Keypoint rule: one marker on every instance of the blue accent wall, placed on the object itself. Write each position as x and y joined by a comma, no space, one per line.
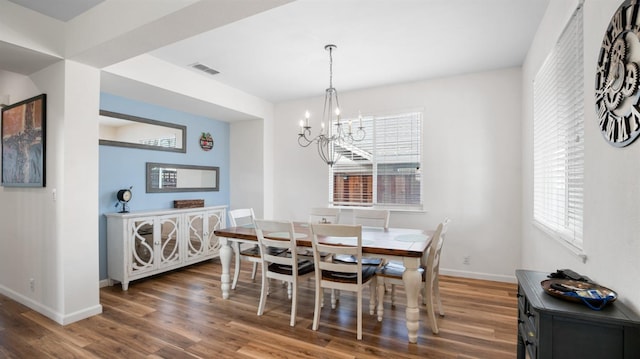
122,167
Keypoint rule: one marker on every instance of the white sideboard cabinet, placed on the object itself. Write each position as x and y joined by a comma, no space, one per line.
140,244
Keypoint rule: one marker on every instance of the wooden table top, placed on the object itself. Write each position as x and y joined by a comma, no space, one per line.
402,242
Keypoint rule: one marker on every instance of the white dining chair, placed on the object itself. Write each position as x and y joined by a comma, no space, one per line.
288,268
237,218
347,240
378,218
371,218
324,215
391,274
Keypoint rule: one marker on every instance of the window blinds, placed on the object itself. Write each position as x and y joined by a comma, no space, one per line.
558,143
383,170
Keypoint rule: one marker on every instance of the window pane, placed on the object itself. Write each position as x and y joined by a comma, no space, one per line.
388,159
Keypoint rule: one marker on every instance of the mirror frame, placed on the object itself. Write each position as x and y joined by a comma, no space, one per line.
151,165
148,121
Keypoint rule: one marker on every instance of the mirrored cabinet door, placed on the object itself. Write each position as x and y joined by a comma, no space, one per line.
169,249
141,255
215,220
195,240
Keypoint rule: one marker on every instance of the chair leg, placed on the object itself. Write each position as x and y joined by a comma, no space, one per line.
436,293
333,299
290,290
372,296
381,290
236,272
255,270
316,310
393,296
431,313
359,330
294,301
425,292
263,294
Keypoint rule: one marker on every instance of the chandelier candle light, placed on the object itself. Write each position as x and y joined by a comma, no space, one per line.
339,137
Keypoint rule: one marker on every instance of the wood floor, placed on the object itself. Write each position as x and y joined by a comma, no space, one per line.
181,314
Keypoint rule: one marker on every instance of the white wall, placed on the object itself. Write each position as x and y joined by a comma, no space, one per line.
246,166
55,242
612,190
17,87
471,165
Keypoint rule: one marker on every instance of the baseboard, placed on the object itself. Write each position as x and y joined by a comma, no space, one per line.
478,275
82,314
50,312
38,307
105,283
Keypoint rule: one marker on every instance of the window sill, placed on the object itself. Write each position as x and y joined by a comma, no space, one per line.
392,209
576,251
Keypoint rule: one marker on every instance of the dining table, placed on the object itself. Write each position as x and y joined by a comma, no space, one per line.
405,245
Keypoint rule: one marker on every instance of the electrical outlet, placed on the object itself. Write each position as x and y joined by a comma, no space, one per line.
466,260
32,284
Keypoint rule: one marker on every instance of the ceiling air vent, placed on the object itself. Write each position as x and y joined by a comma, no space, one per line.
205,68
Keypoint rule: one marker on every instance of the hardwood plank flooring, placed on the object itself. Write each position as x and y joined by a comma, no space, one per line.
181,314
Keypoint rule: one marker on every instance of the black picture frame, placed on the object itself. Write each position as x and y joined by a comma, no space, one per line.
141,124
23,134
168,177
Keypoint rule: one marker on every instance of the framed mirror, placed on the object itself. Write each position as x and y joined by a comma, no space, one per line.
117,129
165,177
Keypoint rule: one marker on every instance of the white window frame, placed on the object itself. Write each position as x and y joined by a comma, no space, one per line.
558,139
374,150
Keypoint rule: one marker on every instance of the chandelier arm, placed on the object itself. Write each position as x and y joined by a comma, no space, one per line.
303,141
361,134
321,150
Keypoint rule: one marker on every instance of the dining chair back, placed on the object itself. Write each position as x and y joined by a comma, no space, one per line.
371,217
336,239
284,266
324,215
244,217
433,272
391,273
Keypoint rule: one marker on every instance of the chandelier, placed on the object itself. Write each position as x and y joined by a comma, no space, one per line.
336,137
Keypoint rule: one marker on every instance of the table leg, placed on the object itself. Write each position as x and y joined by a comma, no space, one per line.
225,260
412,281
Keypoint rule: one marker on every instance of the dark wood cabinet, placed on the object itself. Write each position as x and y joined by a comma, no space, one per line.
552,328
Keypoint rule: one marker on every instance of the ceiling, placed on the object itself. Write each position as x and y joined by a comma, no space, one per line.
279,55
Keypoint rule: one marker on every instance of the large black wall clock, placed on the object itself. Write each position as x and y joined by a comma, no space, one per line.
617,77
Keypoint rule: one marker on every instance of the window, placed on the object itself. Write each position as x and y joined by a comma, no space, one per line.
162,141
384,169
558,137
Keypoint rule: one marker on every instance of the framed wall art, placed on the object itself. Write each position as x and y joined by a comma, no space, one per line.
23,143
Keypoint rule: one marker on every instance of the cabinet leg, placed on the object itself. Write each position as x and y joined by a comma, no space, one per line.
125,286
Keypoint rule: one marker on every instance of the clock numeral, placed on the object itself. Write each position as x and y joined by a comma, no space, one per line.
611,128
634,119
606,46
602,110
623,129
618,23
634,15
603,123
